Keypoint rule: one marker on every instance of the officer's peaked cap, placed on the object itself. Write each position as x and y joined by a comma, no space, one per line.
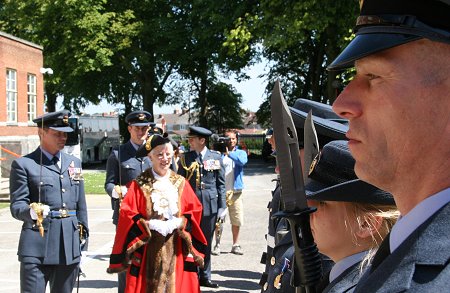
197,131
55,120
332,178
152,142
269,133
138,118
383,24
329,125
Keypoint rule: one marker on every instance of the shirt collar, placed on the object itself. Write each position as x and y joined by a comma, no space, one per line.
406,224
50,156
203,152
345,263
159,177
135,145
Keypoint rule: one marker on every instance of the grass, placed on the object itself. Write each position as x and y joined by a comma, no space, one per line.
4,205
94,183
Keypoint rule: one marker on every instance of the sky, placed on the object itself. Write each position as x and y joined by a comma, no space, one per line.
252,91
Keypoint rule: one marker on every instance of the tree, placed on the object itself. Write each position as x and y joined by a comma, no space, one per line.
224,107
212,24
301,38
78,36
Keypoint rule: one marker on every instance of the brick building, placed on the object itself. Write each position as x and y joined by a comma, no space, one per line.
21,97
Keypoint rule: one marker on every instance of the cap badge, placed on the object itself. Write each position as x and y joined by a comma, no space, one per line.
65,119
141,116
313,164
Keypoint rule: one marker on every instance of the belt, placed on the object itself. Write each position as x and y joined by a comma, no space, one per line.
62,213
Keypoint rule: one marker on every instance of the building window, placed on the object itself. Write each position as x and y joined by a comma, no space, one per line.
11,95
31,92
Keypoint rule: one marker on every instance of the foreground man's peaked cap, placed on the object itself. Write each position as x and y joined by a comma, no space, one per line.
383,24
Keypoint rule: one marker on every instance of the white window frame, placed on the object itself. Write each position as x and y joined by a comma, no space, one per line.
11,95
32,95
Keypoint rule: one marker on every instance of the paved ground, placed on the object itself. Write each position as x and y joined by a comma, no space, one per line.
233,273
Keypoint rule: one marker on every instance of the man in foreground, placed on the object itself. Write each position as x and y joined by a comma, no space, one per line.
123,166
47,194
398,107
204,170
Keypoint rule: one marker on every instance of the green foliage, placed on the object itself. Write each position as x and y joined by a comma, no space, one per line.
301,38
224,107
94,182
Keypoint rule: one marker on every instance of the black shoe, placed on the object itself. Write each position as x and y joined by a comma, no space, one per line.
208,283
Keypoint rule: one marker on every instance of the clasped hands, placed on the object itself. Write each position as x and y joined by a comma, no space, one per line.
165,227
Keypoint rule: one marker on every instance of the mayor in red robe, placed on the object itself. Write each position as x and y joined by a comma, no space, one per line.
158,239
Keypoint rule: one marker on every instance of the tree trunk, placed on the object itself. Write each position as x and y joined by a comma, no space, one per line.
202,100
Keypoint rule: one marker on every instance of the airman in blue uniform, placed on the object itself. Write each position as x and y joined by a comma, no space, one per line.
204,170
123,166
278,256
47,194
401,53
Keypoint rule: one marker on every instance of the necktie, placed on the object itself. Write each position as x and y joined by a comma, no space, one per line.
382,252
200,159
55,161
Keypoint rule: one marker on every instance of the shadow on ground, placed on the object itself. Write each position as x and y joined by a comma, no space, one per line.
239,281
98,284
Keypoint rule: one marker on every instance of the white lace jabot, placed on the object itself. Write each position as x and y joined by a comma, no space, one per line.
164,196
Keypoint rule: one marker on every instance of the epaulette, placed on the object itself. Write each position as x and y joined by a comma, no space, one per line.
217,152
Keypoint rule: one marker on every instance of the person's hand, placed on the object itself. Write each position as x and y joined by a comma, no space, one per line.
117,189
222,213
45,211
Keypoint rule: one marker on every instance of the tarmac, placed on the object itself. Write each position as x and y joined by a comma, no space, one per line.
233,273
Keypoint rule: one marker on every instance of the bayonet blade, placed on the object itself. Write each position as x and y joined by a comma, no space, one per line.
292,188
311,145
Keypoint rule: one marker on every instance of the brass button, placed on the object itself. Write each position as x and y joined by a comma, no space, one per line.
272,260
61,176
265,286
63,190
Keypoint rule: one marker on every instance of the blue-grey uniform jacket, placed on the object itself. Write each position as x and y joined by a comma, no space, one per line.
130,168
61,242
420,264
211,190
346,281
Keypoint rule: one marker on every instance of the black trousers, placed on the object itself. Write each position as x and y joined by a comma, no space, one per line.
34,277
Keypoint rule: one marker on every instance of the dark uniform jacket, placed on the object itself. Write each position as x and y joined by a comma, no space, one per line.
130,168
61,242
280,264
211,188
420,264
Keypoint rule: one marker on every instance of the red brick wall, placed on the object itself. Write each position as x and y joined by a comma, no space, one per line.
25,58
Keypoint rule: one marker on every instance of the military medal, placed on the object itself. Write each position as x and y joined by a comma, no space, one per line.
211,165
75,173
277,282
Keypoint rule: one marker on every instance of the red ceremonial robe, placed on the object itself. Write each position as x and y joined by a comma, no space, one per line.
157,263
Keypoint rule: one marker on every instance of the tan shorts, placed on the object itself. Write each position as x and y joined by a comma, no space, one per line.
235,208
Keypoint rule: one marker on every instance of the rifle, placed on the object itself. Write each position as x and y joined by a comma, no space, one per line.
307,267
